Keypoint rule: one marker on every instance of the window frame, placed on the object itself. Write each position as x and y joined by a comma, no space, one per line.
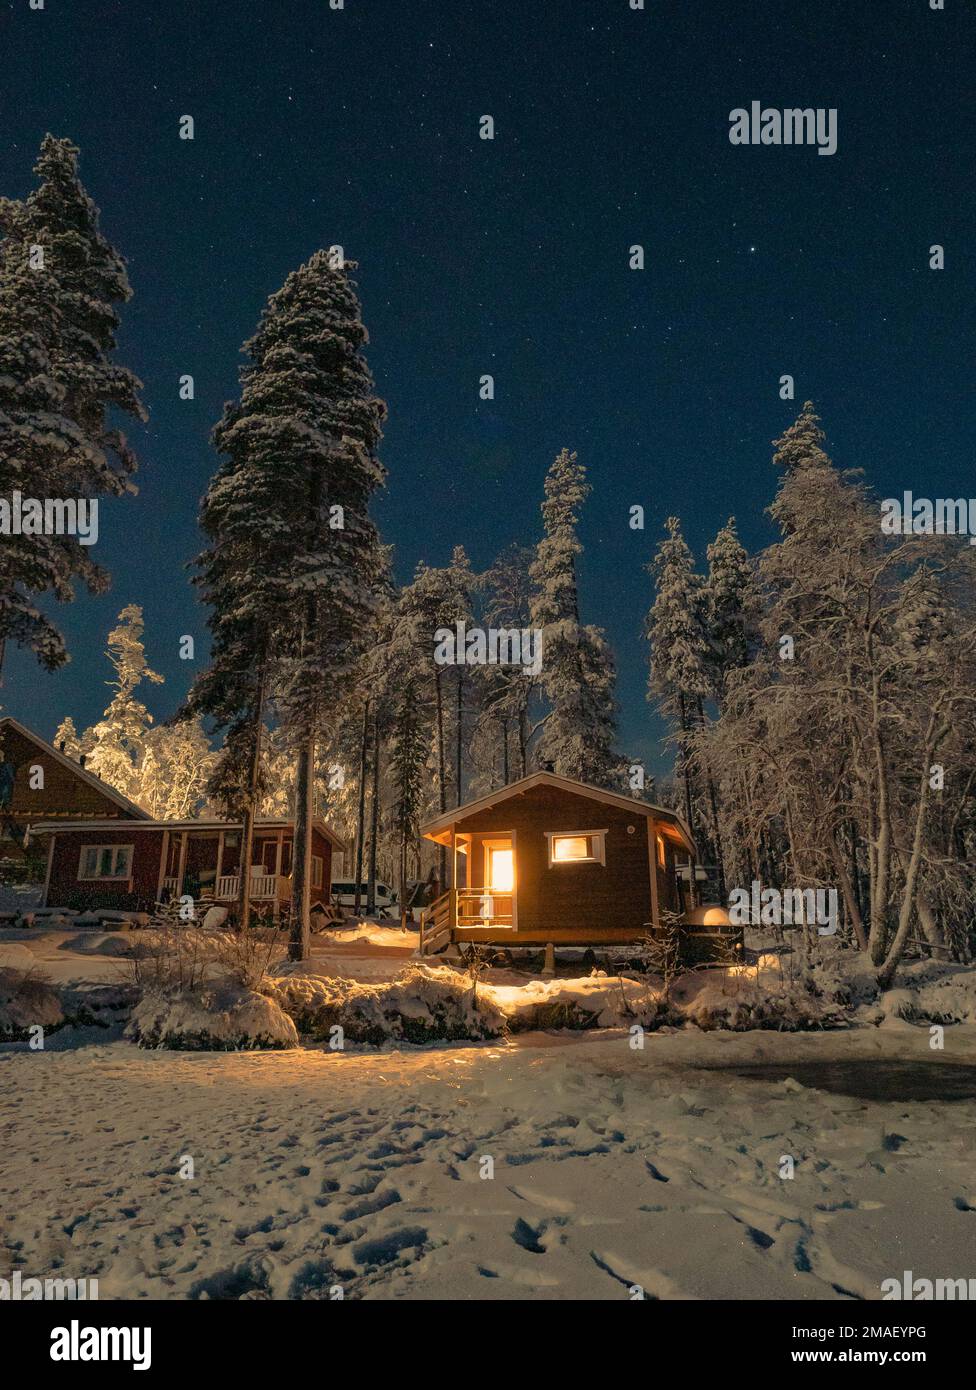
106,878
597,844
318,869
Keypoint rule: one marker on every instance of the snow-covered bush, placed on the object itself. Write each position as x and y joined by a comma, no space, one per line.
936,994
98,1005
221,1017
423,1004
25,1002
741,1002
183,956
596,1001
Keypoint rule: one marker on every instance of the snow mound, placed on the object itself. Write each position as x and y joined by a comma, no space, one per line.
598,1001
16,957
26,1002
220,1017
422,1004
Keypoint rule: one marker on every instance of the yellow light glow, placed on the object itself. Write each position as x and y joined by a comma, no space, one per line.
570,847
502,871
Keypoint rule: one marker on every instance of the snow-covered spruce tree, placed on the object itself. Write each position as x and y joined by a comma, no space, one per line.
309,415
679,678
59,282
578,671
116,744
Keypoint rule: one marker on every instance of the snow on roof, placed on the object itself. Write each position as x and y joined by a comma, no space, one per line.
552,779
147,823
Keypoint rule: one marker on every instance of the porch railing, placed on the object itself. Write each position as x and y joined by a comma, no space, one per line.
463,907
480,907
262,886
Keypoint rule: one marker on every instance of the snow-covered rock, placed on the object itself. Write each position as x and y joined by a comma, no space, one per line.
218,1017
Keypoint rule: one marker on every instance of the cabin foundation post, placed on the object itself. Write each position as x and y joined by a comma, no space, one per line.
549,964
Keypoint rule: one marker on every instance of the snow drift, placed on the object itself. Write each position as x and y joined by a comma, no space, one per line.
222,1017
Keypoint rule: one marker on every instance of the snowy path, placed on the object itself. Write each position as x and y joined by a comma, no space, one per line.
611,1168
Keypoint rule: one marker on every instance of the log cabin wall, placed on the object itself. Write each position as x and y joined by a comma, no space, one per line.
572,900
137,893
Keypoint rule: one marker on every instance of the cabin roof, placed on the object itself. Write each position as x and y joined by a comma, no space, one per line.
49,827
449,819
130,807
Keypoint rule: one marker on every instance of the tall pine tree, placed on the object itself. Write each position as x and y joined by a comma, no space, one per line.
579,731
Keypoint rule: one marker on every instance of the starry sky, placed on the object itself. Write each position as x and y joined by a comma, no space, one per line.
359,126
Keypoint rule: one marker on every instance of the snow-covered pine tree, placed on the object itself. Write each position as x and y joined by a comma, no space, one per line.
579,732
116,744
66,739
307,427
678,649
91,280
732,607
51,445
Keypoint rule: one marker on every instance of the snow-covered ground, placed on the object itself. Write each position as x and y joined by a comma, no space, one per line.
610,1166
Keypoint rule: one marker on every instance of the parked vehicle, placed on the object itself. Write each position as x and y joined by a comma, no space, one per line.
344,895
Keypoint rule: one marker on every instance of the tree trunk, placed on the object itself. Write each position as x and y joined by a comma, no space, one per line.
298,942
374,817
403,882
686,775
361,816
458,737
441,764
894,955
250,806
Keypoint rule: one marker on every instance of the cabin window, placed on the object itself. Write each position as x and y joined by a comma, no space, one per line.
106,861
317,871
577,847
661,854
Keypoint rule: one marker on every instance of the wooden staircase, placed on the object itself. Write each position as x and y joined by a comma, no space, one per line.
435,925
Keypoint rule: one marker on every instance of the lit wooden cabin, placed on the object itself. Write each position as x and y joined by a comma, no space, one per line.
550,860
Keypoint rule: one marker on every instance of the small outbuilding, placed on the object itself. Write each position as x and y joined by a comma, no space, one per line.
548,860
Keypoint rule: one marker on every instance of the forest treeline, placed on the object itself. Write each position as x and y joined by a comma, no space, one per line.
821,695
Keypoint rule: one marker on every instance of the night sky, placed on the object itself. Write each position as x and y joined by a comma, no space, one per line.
360,127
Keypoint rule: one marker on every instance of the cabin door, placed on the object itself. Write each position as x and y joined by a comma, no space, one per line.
498,904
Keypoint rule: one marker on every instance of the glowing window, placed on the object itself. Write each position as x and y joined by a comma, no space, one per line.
501,871
660,851
580,847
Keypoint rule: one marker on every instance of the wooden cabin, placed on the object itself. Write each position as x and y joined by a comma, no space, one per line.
550,860
103,865
40,783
